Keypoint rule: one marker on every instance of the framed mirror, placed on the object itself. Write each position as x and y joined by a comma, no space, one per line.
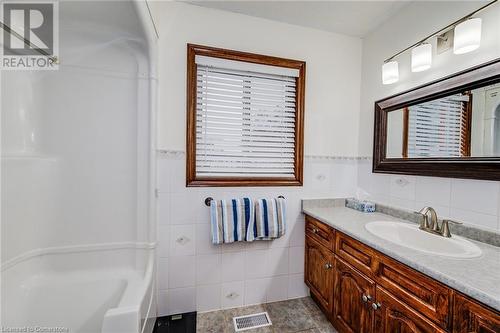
446,128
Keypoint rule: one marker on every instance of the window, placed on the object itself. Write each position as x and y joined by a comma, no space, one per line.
245,119
439,128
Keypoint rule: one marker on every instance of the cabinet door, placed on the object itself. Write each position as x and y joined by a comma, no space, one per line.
319,273
470,317
353,292
393,316
429,297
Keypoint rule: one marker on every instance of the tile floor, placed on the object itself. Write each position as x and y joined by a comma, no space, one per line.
297,315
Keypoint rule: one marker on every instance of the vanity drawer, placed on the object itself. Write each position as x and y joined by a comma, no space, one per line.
320,232
420,292
357,254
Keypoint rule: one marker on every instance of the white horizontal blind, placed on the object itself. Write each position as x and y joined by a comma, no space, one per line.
245,123
437,128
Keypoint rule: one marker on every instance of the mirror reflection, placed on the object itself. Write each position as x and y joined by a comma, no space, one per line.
465,124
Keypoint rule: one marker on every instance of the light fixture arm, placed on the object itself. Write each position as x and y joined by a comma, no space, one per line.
448,27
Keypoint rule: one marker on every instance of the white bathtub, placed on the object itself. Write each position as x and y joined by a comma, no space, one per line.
110,290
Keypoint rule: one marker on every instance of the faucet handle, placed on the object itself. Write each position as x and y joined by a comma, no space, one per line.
445,227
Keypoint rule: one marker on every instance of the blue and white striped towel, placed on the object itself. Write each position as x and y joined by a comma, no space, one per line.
230,220
270,219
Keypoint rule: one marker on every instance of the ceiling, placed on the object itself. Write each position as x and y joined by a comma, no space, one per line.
353,18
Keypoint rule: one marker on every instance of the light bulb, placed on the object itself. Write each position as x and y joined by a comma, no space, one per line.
390,72
467,36
421,57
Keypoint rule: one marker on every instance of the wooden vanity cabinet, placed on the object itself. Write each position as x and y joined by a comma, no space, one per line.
320,232
319,268
393,316
365,291
352,309
357,254
428,296
471,317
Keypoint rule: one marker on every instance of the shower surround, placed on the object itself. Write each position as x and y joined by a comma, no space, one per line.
78,223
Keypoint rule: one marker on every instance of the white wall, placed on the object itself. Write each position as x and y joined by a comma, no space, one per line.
395,125
332,78
475,202
478,117
71,138
412,23
193,274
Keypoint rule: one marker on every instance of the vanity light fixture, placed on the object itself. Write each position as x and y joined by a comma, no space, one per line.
421,57
467,36
390,72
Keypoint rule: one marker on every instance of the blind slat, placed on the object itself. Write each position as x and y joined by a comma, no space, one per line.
245,123
220,83
259,126
284,114
436,127
244,95
235,75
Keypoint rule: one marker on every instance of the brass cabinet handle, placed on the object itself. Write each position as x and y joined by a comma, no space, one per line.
328,266
315,231
366,298
376,306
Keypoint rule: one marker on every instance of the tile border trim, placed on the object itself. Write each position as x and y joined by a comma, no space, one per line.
167,153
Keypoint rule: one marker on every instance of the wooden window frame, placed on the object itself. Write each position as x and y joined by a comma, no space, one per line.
466,128
191,179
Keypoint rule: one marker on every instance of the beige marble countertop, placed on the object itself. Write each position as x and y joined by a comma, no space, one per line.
478,277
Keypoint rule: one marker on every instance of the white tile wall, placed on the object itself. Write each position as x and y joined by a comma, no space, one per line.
194,275
233,266
162,273
296,262
296,286
277,289
256,291
473,202
208,297
180,300
232,294
208,269
181,271
183,240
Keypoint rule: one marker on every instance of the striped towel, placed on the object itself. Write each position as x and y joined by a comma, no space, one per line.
230,220
270,219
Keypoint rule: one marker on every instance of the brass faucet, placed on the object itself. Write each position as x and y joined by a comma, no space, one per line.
430,222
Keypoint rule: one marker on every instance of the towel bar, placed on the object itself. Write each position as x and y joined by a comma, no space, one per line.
209,199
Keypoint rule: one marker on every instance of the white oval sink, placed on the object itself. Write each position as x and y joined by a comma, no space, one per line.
412,237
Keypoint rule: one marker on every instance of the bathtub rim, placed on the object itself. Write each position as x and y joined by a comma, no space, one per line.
28,255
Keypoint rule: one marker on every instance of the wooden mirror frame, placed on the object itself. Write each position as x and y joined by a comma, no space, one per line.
487,168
